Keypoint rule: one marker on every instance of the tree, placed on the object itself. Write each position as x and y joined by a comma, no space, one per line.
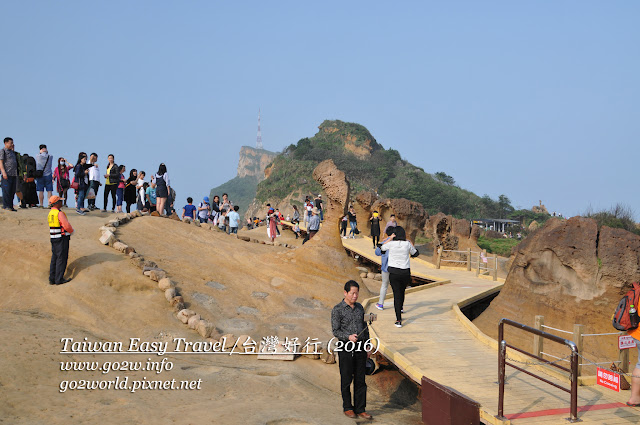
504,204
445,178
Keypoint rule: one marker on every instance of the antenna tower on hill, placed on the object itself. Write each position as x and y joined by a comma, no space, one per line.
259,138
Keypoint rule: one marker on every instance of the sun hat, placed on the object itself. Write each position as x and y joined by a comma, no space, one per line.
55,199
315,211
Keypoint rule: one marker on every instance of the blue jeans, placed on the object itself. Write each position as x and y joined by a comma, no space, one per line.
353,225
9,191
119,196
233,230
321,215
81,193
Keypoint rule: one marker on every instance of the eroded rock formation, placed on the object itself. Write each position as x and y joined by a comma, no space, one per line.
409,214
253,162
452,234
571,272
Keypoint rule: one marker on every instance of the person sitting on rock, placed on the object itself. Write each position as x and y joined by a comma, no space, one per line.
189,210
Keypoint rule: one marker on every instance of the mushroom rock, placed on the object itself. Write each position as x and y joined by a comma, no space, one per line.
570,272
452,234
324,256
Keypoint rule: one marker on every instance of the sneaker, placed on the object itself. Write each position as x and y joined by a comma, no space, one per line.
402,311
104,210
398,324
379,306
80,212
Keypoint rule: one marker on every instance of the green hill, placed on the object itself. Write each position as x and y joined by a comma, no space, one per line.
369,166
241,190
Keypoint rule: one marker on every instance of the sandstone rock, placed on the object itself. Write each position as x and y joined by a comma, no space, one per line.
138,261
134,254
178,306
135,214
150,264
108,229
196,223
328,358
378,276
363,275
570,272
193,321
184,315
113,223
155,214
452,234
119,246
227,340
156,274
128,216
166,283
244,238
129,250
107,238
409,214
176,300
370,275
170,293
244,344
362,269
205,328
533,226
174,216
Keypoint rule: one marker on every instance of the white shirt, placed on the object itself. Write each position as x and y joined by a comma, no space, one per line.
94,173
140,183
399,253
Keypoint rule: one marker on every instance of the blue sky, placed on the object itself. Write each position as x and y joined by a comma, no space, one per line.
535,100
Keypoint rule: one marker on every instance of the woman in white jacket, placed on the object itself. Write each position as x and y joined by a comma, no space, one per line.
400,252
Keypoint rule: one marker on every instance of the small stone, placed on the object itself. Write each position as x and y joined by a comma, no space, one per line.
261,295
178,307
150,264
113,223
176,300
138,261
165,283
205,328
370,275
136,213
108,229
328,358
196,223
184,315
244,238
134,254
119,246
377,276
107,238
175,216
193,321
363,275
170,293
129,250
363,269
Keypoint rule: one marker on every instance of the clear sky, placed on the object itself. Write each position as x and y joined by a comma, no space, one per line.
535,100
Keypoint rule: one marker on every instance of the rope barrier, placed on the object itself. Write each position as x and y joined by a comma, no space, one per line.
557,330
610,333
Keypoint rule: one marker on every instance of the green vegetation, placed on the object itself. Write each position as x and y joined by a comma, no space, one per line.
500,246
379,170
528,216
618,217
422,239
241,190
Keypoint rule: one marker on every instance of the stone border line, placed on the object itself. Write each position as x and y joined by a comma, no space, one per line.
187,316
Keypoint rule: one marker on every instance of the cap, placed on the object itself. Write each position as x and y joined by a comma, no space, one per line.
320,196
206,199
315,211
55,199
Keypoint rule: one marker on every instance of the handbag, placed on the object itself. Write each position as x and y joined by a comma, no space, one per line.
40,173
91,194
74,184
64,183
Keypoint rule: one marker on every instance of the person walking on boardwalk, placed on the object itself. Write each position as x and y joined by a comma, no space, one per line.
60,232
384,269
400,251
348,325
353,222
375,228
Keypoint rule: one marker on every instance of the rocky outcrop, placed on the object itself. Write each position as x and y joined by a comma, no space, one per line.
452,234
410,215
323,255
570,272
253,162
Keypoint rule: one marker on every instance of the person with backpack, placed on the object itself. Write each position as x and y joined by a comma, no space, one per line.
400,252
61,177
626,318
162,188
81,178
204,210
130,189
43,174
111,183
29,193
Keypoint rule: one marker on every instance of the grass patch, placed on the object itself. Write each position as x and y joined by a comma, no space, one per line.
421,239
501,246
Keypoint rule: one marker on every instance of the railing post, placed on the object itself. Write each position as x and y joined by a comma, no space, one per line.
478,269
578,330
623,356
538,341
501,376
439,257
495,270
574,384
468,259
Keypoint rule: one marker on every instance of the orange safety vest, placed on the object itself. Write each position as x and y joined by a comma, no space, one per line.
55,229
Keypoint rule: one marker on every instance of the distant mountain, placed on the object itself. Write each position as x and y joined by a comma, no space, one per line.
242,188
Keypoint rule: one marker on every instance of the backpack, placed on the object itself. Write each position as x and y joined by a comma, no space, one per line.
621,317
114,175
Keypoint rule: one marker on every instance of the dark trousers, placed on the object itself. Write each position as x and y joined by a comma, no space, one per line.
310,234
59,257
110,189
343,228
399,283
95,185
376,240
8,191
352,368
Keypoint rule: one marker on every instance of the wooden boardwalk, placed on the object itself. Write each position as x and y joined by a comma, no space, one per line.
438,342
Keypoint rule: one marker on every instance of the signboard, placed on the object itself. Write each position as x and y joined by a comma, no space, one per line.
625,341
608,379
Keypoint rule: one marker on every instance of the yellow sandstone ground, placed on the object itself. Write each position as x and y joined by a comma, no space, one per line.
109,299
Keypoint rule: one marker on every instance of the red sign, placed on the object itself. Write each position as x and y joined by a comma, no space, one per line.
608,379
626,341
